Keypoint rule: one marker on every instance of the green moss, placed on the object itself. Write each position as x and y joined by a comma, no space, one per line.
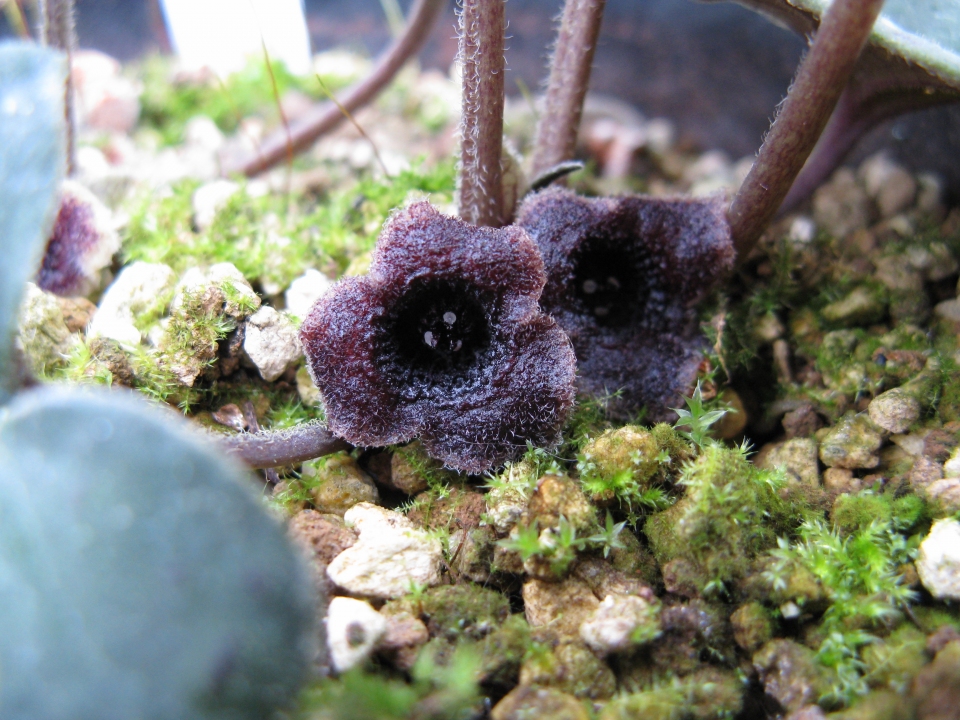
632,466
271,239
167,104
731,511
467,610
502,651
893,661
860,573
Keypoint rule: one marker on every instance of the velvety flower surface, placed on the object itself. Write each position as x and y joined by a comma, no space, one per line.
81,244
623,275
444,340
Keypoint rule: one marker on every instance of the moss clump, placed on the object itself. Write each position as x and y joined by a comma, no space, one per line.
468,610
892,662
168,104
570,667
731,511
269,239
502,652
752,626
632,466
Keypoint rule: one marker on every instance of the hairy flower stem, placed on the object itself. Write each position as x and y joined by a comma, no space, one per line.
324,118
482,28
822,76
569,76
58,30
275,448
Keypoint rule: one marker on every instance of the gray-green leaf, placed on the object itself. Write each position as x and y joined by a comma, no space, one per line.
139,576
31,164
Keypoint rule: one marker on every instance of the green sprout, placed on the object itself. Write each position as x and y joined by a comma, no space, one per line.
698,418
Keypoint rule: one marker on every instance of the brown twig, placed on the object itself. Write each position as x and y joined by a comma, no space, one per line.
324,118
567,86
58,30
275,448
482,28
822,76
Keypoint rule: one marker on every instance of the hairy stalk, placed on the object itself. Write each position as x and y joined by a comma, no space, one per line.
275,448
482,28
567,86
822,76
58,30
327,116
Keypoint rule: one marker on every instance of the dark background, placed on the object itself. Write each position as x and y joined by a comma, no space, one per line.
716,69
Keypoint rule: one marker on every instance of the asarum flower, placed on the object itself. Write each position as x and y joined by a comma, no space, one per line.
444,340
81,244
623,275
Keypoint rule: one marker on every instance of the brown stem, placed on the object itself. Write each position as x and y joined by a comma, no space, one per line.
569,76
324,118
820,80
58,29
482,27
274,448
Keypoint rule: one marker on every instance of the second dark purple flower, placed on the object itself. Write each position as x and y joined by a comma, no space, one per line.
623,275
443,340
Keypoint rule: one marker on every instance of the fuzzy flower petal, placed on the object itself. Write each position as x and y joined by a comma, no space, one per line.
623,275
444,340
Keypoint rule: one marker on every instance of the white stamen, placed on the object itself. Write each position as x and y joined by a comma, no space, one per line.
449,318
589,286
428,339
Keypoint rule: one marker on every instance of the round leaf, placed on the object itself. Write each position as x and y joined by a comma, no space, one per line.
140,576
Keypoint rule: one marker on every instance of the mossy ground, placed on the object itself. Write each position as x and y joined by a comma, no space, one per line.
676,509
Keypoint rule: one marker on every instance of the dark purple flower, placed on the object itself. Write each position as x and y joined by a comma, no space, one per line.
443,340
81,244
623,275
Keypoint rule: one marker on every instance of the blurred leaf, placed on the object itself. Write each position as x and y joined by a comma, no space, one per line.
31,163
139,576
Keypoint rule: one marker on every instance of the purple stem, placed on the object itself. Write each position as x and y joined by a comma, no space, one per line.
324,118
822,76
275,448
482,28
58,30
567,86
875,93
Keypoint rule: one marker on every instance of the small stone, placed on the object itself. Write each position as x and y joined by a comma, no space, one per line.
404,636
353,631
44,335
894,410
841,206
507,499
563,606
525,702
556,496
308,392
390,557
322,536
938,561
111,357
77,312
936,688
338,484
752,626
568,666
948,310
890,185
896,274
138,288
620,623
802,422
473,553
945,493
802,230
951,468
924,472
790,673
768,328
271,342
734,422
104,98
304,291
239,298
202,133
210,198
841,480
859,307
852,443
797,457
406,468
